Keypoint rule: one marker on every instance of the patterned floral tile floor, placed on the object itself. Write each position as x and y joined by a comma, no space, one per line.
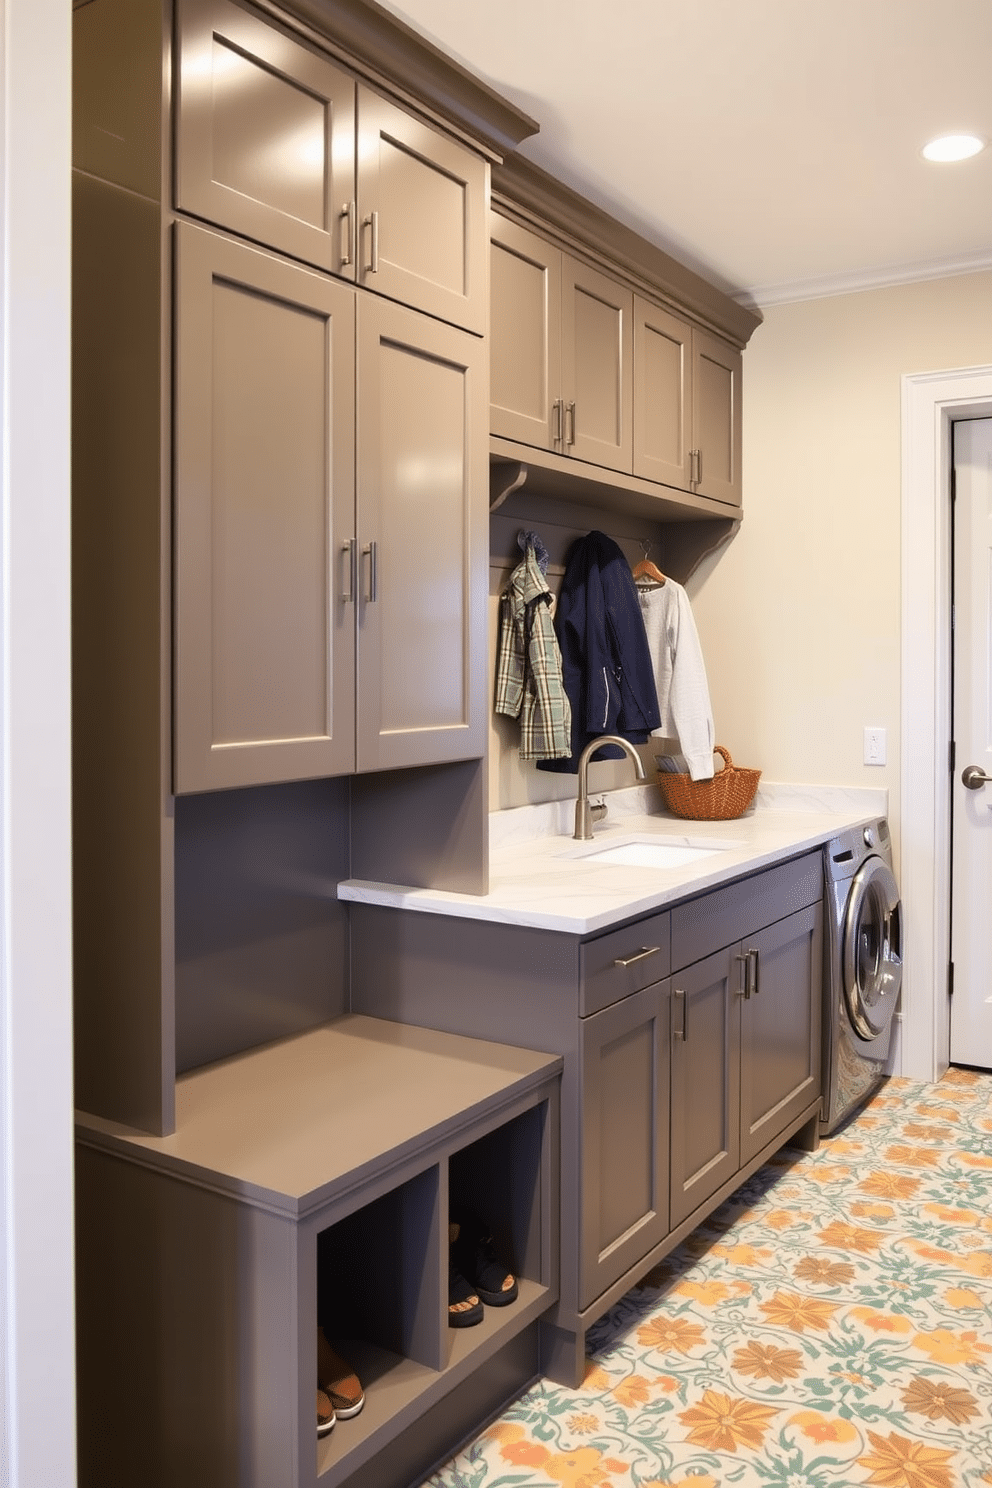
830,1325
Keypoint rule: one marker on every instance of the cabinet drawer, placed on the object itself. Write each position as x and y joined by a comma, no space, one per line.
623,961
713,920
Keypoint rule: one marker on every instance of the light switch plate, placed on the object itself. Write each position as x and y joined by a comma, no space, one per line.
875,745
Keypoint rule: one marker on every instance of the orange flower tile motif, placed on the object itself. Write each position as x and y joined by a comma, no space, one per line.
583,1425
897,1462
945,1347
768,1361
820,1427
865,1210
723,1424
823,1271
841,1236
962,1297
633,1391
882,1322
913,1157
939,1400
828,1325
743,1255
671,1335
582,1469
708,1293
790,1310
886,1185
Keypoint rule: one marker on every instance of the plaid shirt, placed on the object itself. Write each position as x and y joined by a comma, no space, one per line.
528,666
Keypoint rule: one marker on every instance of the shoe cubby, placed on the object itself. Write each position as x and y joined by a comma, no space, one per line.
311,1180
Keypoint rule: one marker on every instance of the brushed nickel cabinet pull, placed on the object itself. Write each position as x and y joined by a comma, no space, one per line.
641,954
744,961
372,222
683,1032
349,547
570,423
753,963
371,552
348,219
556,412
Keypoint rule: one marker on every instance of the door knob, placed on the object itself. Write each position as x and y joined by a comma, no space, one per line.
973,777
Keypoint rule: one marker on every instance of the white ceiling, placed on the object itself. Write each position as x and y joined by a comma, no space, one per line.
772,145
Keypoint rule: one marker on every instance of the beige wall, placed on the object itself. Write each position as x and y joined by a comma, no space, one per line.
799,615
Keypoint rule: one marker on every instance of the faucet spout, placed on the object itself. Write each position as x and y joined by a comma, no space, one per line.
585,814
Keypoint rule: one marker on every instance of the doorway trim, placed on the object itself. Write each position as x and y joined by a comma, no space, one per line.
931,401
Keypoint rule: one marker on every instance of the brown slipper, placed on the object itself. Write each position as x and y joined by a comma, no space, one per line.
338,1380
325,1414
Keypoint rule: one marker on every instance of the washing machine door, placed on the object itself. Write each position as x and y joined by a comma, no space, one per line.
872,949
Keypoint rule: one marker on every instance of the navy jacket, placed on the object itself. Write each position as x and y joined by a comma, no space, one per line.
606,665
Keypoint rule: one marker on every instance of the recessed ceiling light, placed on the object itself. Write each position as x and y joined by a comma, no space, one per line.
953,147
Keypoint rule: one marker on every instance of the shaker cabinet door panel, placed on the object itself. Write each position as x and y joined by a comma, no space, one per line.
265,134
422,539
525,336
780,1027
716,418
264,510
624,1150
662,395
705,1081
422,202
597,366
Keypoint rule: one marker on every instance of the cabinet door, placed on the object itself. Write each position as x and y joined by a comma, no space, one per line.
662,395
423,539
716,418
780,1027
422,215
597,355
265,134
525,336
264,511
705,1080
624,1146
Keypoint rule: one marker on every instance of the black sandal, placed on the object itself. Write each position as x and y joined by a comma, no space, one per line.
460,1291
475,1255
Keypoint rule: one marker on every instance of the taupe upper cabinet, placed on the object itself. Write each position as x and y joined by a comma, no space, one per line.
265,517
562,351
286,584
276,142
422,539
687,405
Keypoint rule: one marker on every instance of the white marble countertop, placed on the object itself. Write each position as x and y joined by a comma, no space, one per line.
540,876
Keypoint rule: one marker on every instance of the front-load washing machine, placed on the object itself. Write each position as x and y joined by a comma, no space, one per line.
863,923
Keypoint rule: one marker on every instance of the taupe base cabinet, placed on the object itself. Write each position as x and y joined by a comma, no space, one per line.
323,1164
691,1045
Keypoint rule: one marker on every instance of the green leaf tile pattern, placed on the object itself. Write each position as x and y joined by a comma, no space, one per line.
829,1326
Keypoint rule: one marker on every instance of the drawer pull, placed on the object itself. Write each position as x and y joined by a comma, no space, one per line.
641,954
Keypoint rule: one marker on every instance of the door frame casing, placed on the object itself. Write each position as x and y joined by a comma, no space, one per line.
931,402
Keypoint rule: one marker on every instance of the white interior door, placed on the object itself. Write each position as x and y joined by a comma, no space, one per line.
971,860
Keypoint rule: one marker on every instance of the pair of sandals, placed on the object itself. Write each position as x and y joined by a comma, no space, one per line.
339,1392
476,1275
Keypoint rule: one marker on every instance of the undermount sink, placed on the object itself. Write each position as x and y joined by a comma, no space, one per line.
650,852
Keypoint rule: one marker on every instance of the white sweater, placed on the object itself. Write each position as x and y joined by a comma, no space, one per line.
680,676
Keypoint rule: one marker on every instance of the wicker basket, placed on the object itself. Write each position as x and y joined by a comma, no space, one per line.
727,795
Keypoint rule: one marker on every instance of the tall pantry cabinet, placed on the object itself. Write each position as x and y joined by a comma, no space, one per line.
280,549
280,531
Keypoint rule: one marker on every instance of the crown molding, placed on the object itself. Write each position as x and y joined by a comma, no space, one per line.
860,282
376,39
524,191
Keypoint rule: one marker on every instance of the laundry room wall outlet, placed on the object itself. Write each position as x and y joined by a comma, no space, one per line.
875,744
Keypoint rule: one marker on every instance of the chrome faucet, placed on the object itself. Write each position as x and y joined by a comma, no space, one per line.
585,814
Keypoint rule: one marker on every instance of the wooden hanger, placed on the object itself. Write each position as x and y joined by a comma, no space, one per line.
645,569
